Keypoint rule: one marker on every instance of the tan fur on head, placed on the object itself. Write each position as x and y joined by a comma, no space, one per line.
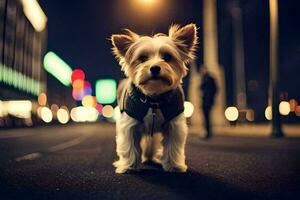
186,39
137,54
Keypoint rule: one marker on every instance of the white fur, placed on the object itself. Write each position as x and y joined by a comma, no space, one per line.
131,149
135,143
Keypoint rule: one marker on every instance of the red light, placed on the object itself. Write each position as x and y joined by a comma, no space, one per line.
99,107
77,74
87,85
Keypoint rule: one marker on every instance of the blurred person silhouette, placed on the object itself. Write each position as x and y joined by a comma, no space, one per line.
209,89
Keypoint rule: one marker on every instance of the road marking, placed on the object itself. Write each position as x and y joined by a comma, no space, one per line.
65,145
31,156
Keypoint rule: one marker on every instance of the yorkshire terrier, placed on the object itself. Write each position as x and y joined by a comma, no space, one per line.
151,99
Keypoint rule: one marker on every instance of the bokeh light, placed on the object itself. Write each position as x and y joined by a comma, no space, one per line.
58,68
89,101
84,114
77,94
108,111
297,111
77,74
250,115
99,107
293,104
268,113
3,111
42,99
54,108
231,113
147,1
188,109
106,91
34,14
46,114
18,108
284,108
78,85
38,111
87,88
63,116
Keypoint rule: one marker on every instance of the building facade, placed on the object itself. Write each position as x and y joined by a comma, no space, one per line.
22,77
21,51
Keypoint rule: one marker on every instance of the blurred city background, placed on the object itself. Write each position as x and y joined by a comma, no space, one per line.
58,82
57,66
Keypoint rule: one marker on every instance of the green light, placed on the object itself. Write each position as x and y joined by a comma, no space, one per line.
1,72
27,85
106,91
23,82
33,86
9,76
16,79
58,68
37,88
23,86
4,74
19,80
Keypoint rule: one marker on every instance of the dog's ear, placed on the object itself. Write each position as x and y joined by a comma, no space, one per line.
186,39
121,42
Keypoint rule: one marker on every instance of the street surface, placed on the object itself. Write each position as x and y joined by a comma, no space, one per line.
75,162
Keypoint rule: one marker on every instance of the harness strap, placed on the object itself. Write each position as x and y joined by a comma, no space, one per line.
136,104
153,119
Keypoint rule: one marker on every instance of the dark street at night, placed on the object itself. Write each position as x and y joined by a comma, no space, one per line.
75,162
149,99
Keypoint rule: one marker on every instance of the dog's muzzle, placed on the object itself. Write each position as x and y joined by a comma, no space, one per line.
157,78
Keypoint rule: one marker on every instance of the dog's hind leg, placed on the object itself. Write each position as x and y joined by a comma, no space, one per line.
157,148
152,148
174,140
146,148
128,144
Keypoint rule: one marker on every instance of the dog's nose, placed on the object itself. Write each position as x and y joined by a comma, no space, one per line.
155,70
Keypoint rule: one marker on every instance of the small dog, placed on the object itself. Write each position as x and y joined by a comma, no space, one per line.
151,98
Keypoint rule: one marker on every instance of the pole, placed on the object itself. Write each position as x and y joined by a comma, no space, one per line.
211,59
274,78
239,63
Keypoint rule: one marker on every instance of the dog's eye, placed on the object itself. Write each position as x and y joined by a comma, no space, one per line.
143,58
167,57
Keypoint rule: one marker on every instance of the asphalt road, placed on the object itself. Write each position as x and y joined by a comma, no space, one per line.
75,162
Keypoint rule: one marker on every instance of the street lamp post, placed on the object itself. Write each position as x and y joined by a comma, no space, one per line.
211,58
274,78
239,63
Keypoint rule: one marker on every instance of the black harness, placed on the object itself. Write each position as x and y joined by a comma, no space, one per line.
136,104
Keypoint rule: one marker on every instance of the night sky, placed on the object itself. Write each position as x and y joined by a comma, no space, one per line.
78,32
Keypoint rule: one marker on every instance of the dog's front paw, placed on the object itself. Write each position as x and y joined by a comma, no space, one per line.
178,169
123,170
